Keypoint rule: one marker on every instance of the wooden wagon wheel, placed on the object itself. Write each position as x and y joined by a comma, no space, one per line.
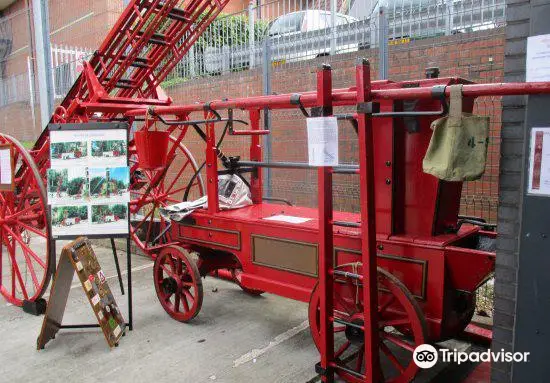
396,308
153,189
25,252
178,283
236,275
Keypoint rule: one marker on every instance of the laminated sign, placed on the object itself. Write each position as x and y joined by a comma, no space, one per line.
539,162
6,168
322,141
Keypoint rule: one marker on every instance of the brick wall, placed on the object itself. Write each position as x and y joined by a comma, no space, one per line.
476,56
510,181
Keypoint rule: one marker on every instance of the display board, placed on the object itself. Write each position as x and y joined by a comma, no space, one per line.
6,168
89,182
78,256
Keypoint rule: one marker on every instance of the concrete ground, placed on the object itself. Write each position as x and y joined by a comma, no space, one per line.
235,338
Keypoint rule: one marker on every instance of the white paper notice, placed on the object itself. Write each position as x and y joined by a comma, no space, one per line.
288,218
538,58
5,167
539,162
322,140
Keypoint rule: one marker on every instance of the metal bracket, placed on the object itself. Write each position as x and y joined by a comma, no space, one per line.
348,117
208,108
320,370
438,92
372,108
295,100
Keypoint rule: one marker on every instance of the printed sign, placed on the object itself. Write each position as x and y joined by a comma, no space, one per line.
6,168
89,182
538,58
539,162
322,140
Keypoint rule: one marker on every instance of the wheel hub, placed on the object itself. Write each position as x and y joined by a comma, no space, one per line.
354,334
169,285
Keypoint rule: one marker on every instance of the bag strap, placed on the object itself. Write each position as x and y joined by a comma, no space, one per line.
455,108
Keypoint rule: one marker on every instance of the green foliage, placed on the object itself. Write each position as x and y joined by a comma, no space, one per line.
61,213
74,187
119,210
99,212
57,177
58,148
95,184
98,147
232,31
175,81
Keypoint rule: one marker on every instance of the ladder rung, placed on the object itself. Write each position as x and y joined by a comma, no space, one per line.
122,80
346,224
345,323
175,14
123,85
139,62
156,38
347,274
349,371
178,14
345,171
157,41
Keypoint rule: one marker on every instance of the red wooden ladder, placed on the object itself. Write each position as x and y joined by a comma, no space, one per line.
327,273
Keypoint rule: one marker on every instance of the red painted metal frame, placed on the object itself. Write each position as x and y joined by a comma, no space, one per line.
368,223
325,238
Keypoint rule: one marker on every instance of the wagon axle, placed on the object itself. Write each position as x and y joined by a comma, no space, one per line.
355,332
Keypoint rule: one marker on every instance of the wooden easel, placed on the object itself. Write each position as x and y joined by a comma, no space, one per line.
78,256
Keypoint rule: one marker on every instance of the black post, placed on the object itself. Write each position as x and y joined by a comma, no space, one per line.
129,265
113,246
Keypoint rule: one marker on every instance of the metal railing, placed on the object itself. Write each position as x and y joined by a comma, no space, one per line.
298,31
66,66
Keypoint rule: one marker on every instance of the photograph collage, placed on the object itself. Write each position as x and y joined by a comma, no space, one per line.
88,183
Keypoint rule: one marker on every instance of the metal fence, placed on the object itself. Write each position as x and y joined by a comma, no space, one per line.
66,66
303,30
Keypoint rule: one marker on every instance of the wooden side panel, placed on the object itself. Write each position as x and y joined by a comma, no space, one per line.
211,236
298,257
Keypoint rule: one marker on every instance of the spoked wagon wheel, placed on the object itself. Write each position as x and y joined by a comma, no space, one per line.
397,308
153,189
24,230
236,274
178,283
